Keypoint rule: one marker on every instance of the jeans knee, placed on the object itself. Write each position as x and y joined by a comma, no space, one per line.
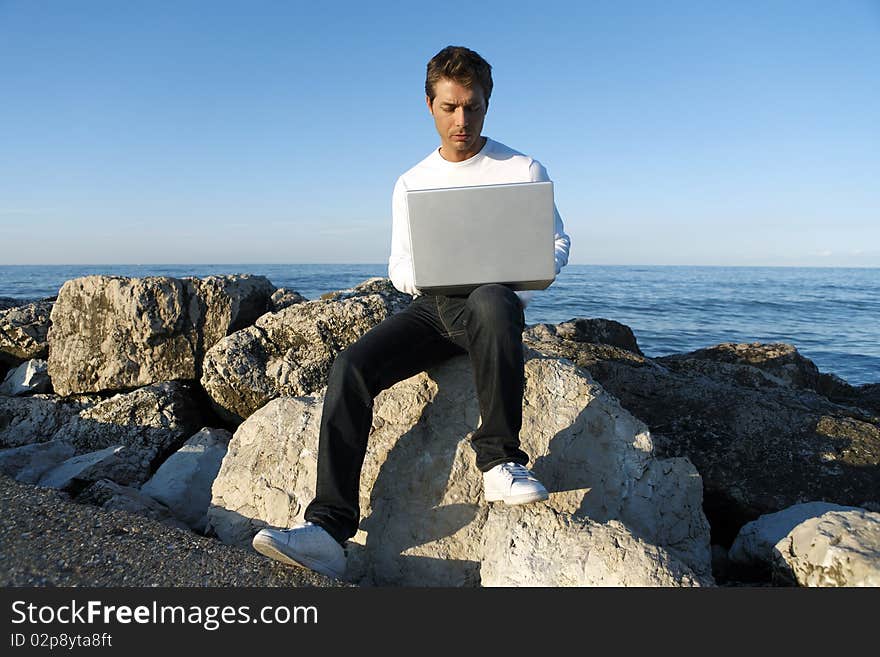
493,304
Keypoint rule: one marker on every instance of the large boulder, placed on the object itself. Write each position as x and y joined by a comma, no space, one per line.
24,332
838,548
290,352
117,333
760,440
424,516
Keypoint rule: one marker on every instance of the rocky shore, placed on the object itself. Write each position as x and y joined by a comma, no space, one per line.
149,427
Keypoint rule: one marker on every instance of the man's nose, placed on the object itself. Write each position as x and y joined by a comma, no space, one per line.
461,116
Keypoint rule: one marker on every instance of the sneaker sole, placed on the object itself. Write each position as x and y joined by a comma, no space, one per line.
514,500
267,547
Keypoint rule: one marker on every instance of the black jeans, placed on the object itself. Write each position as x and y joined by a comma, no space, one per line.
487,324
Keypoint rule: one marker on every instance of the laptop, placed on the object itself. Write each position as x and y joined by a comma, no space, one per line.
464,237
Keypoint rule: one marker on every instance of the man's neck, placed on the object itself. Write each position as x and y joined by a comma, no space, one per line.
466,156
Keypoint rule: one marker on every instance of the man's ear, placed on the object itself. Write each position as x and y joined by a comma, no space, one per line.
430,105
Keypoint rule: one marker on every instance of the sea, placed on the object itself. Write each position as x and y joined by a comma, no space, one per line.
832,315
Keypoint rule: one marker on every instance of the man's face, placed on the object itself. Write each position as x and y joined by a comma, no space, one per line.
458,116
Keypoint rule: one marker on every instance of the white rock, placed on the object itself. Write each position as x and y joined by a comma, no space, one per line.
839,548
28,378
535,546
183,482
115,333
85,467
28,463
421,493
755,540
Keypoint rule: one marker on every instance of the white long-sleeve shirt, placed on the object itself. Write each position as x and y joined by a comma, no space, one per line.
495,164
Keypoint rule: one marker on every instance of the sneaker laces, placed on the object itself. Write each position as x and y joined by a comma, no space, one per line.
515,471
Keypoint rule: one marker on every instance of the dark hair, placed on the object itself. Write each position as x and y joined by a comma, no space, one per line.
462,65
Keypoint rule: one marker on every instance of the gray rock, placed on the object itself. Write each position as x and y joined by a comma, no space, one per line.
838,548
151,422
183,482
283,297
28,378
759,442
12,302
533,545
110,496
85,467
24,332
116,333
28,463
780,362
421,493
25,420
290,352
595,331
755,541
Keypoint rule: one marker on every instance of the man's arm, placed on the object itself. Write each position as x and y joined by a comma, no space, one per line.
562,242
400,269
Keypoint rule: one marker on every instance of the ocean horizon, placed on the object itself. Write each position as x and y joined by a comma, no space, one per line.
829,313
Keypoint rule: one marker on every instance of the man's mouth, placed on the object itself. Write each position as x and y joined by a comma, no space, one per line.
460,137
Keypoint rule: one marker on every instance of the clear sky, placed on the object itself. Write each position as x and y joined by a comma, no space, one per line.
703,132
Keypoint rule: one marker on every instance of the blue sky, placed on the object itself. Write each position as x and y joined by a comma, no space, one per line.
729,133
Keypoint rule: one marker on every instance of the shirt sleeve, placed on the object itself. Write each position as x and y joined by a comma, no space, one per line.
562,242
400,269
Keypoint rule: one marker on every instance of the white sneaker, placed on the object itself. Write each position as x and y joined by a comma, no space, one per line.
512,483
306,545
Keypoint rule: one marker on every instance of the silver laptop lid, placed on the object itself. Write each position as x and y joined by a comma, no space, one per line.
464,237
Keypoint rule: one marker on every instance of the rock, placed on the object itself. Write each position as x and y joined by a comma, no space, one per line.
780,362
25,420
151,422
85,467
116,333
24,332
28,463
421,493
28,378
839,391
283,297
595,331
838,548
183,482
110,496
532,545
11,302
755,541
289,352
760,443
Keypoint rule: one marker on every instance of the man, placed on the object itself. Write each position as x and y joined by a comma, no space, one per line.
487,325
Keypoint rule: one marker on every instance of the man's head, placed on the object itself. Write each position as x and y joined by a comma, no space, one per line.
457,89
